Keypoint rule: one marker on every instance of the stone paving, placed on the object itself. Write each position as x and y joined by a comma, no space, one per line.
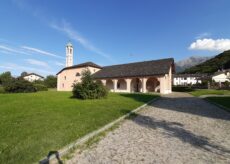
177,128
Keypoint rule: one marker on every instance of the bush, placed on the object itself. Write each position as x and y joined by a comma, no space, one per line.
88,89
19,86
40,87
2,89
182,89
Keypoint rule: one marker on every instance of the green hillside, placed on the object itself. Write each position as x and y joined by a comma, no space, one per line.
212,65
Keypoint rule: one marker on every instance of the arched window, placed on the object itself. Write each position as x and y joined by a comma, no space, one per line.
78,74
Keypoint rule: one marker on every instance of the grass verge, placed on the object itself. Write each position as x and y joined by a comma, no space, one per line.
200,92
34,124
223,101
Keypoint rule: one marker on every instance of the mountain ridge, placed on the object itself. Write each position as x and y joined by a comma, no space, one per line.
218,62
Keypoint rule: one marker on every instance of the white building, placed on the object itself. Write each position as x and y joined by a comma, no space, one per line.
221,76
187,79
31,77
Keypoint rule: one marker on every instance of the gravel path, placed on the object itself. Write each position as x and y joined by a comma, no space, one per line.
177,128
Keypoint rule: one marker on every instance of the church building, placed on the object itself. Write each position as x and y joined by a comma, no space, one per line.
145,76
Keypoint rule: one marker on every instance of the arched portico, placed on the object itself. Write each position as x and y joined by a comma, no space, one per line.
99,81
152,85
121,85
136,85
109,84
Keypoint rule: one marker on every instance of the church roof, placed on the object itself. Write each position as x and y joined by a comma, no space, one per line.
86,64
145,68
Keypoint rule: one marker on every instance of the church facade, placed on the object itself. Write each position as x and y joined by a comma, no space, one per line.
146,76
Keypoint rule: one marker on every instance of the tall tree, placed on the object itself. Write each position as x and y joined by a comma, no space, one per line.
51,81
24,73
5,78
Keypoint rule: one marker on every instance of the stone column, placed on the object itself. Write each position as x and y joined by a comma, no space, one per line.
103,82
114,85
162,85
143,81
128,84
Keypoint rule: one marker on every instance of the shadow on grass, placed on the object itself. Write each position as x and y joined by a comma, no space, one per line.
177,130
144,98
47,160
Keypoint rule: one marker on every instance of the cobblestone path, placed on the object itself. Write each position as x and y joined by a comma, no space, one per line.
177,128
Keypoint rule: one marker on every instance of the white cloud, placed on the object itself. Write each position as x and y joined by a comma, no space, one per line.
59,63
5,67
203,35
19,68
66,28
37,62
39,51
211,44
10,50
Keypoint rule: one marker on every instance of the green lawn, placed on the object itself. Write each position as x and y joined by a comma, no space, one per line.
33,124
224,101
200,92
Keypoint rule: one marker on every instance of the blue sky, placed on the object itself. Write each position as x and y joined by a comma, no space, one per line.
33,33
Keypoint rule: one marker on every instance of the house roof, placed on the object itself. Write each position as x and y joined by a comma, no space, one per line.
221,72
33,74
145,68
86,64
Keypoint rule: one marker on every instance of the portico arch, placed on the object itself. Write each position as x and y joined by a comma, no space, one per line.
109,84
153,85
136,85
121,85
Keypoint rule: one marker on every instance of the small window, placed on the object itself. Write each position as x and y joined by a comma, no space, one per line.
65,77
78,74
63,85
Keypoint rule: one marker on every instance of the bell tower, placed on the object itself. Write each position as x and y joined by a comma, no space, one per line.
69,55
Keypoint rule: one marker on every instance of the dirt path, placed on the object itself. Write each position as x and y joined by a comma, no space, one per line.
177,128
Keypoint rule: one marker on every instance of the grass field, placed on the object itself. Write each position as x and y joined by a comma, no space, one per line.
224,101
35,123
200,92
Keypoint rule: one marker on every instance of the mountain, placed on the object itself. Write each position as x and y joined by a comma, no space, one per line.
221,61
189,62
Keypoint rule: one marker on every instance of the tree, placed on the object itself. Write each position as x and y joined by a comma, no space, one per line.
88,89
5,78
19,86
23,74
51,81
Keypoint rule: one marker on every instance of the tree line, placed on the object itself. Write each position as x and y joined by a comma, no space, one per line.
11,84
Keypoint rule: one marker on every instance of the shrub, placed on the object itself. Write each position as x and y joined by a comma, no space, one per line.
182,89
88,89
19,86
39,82
40,87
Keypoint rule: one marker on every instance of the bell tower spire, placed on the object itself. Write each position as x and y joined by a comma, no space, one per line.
69,55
